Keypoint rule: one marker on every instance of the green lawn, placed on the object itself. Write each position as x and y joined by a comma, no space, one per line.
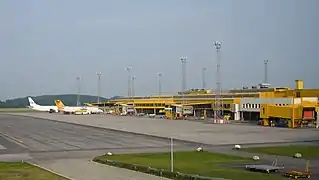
9,110
24,171
202,163
307,152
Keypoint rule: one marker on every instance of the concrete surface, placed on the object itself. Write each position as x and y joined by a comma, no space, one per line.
14,157
216,134
67,149
45,135
2,147
10,146
83,169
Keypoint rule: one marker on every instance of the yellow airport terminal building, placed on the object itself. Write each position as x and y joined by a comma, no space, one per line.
284,107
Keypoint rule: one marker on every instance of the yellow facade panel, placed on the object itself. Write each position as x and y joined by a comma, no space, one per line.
285,112
280,94
291,93
309,103
149,107
267,95
309,92
236,101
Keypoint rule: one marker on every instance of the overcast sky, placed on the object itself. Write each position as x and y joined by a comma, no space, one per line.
44,45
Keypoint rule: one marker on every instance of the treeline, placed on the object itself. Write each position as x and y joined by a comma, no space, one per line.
68,99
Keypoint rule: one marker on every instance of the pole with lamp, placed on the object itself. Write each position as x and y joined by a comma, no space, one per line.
159,79
183,61
98,86
133,85
129,69
218,109
78,82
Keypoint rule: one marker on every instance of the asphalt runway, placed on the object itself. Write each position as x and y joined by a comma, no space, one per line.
68,148
200,132
8,146
38,135
52,141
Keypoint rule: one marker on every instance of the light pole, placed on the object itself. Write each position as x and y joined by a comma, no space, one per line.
98,86
159,75
218,109
203,78
172,154
78,82
183,60
128,69
133,85
266,72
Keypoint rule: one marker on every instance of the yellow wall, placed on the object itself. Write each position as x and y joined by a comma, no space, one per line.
308,92
149,107
278,94
309,103
161,103
269,110
267,95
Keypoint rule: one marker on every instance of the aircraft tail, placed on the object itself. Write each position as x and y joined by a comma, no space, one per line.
31,102
59,104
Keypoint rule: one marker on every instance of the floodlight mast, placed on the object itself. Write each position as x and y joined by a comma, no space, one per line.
129,91
133,85
183,61
98,86
266,71
218,108
204,78
78,83
159,75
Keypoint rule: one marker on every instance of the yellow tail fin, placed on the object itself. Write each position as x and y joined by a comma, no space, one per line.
59,104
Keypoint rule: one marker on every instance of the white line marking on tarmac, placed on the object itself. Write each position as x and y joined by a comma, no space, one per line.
2,147
13,139
41,167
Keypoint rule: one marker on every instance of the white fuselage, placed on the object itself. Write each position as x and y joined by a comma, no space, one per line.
94,110
44,108
71,108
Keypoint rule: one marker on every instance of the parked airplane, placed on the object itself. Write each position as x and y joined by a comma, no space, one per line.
74,109
67,109
37,107
94,109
